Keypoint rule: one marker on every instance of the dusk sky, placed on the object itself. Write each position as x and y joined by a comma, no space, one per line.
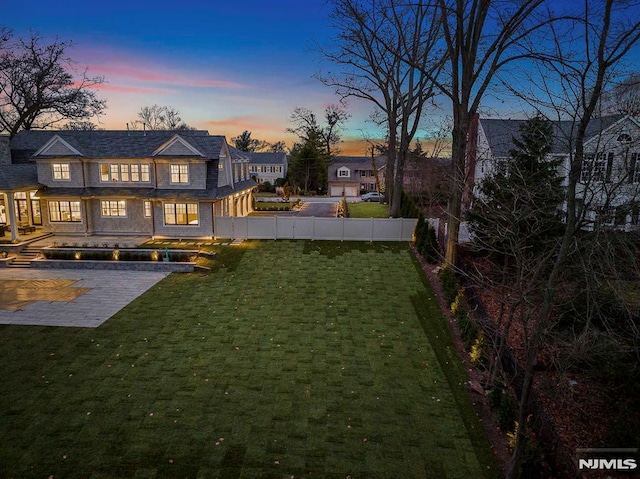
226,66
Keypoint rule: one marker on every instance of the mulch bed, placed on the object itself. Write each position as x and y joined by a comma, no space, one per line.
497,439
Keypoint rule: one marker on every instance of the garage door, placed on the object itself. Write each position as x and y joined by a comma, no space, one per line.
336,190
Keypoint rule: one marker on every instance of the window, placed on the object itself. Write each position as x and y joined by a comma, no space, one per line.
625,138
147,209
124,172
179,173
114,208
64,211
343,173
634,168
61,171
596,167
144,173
181,214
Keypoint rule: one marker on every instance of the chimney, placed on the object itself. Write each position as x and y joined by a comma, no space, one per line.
5,150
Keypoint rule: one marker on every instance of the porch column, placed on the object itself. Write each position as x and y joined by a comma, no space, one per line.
11,206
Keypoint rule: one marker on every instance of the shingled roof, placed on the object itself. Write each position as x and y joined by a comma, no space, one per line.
267,158
112,143
500,133
16,177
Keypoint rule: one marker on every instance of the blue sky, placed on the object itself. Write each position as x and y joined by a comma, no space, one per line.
226,66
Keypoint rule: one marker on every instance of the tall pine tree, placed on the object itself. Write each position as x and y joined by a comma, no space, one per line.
519,206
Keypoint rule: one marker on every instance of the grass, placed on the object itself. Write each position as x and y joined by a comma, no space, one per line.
368,210
290,359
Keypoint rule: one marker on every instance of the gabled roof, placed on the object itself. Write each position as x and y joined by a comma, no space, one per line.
111,143
267,158
357,162
500,133
238,154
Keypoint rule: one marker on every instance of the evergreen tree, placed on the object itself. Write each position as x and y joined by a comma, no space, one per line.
519,206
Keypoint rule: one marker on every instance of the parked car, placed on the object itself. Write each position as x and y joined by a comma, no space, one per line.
373,196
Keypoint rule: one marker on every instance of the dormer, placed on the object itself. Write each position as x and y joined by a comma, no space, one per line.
57,147
177,146
343,172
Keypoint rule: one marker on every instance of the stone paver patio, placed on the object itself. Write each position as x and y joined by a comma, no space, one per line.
80,298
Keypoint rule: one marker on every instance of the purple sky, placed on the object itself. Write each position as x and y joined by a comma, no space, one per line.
226,66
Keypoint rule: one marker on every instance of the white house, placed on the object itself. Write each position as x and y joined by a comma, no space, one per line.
609,185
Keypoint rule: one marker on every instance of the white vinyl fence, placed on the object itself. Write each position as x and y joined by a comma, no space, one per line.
299,227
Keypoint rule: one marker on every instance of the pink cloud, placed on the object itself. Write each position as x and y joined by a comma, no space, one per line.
130,89
137,73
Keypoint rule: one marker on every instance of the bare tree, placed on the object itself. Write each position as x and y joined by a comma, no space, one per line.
305,123
380,48
587,47
156,117
40,86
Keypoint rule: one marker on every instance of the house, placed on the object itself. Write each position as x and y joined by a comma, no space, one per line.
354,175
157,183
267,167
609,184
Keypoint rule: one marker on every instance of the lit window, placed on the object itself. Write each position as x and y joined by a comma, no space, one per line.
114,208
64,211
147,209
104,172
124,172
115,175
135,172
144,173
181,214
179,173
61,171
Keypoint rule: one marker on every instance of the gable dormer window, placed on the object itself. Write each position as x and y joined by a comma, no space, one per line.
625,138
344,172
61,171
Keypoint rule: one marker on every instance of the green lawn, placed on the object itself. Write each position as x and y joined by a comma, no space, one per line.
288,360
368,210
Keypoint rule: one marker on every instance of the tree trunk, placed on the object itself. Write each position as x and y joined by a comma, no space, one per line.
459,149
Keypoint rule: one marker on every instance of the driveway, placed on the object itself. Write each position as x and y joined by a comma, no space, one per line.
81,298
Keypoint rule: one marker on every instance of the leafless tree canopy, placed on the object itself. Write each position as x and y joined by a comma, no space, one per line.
40,86
156,117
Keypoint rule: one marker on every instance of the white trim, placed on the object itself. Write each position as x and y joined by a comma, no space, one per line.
176,139
56,139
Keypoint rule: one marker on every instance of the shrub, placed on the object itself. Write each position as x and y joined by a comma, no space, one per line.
449,284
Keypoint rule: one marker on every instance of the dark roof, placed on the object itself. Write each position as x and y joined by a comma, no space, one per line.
15,177
113,143
357,162
258,158
500,133
238,154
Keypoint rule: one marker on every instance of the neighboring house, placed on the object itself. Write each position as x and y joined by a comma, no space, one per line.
354,175
609,184
158,183
267,167
426,175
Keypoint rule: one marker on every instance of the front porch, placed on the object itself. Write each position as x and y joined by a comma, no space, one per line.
20,215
